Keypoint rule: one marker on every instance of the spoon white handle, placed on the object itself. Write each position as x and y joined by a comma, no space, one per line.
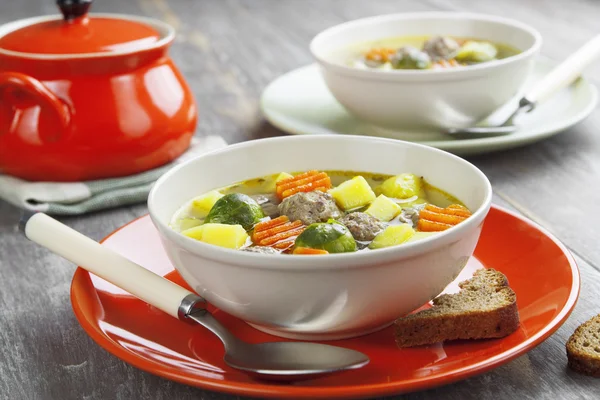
566,72
108,265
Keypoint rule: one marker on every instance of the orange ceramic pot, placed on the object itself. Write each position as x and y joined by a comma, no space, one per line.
90,96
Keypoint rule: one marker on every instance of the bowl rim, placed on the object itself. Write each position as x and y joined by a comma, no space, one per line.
339,261
450,73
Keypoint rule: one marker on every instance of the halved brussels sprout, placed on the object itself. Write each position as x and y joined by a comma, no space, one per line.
473,51
331,236
235,209
409,57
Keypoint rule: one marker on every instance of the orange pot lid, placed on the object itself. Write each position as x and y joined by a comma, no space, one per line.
80,33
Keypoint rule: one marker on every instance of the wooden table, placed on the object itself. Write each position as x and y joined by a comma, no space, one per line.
229,51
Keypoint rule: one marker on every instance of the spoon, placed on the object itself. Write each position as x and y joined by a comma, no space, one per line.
560,77
271,361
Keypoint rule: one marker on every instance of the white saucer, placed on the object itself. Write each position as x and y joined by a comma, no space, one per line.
298,102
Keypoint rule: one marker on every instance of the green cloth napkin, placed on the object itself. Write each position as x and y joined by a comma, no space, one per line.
76,198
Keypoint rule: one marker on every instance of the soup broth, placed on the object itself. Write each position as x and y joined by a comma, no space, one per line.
319,212
423,52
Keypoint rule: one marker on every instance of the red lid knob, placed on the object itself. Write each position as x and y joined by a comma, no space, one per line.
73,9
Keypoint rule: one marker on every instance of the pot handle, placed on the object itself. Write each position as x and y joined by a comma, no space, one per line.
43,95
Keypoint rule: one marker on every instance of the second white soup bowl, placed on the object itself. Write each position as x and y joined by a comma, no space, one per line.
426,100
321,297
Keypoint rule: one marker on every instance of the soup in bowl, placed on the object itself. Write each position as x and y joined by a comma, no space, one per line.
423,209
319,212
426,71
427,52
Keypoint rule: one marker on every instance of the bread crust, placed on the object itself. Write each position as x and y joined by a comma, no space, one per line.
426,327
580,360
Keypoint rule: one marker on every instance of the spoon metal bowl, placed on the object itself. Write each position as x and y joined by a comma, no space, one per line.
271,361
560,77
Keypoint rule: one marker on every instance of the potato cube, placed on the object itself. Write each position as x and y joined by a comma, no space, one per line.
229,236
271,187
393,235
402,186
383,208
187,223
353,193
201,205
420,235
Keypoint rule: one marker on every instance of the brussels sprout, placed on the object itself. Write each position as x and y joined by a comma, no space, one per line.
475,52
235,209
410,58
331,236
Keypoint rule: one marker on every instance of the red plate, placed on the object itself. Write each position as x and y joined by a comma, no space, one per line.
539,268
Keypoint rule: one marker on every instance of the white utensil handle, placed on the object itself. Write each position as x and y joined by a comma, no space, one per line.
566,72
105,263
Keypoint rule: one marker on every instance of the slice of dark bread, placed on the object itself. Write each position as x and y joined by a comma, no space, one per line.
485,307
583,348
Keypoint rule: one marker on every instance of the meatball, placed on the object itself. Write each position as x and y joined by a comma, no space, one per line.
261,249
441,48
362,226
410,58
268,204
411,215
310,207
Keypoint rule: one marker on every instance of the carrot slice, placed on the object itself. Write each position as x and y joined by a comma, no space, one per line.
446,63
263,226
305,182
279,233
284,245
282,235
459,211
301,176
431,226
276,230
441,217
298,180
308,250
324,183
433,218
458,206
379,54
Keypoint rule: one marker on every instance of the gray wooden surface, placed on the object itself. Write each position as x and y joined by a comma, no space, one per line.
229,51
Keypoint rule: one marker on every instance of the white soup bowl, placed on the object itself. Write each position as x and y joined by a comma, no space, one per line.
321,297
425,100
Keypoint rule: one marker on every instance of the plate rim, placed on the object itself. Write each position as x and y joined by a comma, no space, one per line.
459,147
267,390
